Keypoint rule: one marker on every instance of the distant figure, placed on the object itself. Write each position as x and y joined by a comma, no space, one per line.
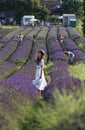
47,24
40,81
14,22
71,56
61,39
0,23
34,37
21,37
42,22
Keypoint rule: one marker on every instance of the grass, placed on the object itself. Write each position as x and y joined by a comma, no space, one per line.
1,45
6,72
79,27
80,45
9,27
77,71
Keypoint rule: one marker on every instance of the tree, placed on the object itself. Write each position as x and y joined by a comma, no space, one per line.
43,13
24,7
72,6
84,18
15,6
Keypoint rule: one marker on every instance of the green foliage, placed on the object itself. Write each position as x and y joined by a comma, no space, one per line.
78,71
72,6
1,45
42,34
7,71
53,18
43,13
84,27
25,7
47,67
80,45
79,27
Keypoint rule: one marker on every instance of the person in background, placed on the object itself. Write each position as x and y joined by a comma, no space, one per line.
34,37
40,81
61,39
71,56
21,37
0,23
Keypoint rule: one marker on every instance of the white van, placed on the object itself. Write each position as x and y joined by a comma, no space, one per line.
26,19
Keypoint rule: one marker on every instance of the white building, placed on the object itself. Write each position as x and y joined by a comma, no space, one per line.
69,19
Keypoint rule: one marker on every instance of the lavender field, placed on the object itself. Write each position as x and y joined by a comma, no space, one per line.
17,66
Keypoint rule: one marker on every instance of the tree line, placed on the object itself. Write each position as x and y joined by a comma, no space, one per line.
25,7
22,7
73,6
33,7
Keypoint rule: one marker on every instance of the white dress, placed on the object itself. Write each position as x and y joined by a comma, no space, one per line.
40,83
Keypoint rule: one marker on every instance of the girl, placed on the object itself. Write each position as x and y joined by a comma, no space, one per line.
40,81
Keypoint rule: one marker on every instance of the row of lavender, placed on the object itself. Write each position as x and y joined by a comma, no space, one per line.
30,67
59,71
62,30
70,45
10,49
12,37
11,34
22,79
74,35
4,31
54,48
21,53
40,41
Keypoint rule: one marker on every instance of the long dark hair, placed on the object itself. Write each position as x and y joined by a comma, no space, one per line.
66,53
40,58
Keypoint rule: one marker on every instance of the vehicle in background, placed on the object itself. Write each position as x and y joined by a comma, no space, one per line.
26,19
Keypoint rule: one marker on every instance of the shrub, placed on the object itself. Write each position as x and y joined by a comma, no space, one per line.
65,112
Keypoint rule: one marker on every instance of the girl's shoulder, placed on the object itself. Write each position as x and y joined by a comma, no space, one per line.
42,62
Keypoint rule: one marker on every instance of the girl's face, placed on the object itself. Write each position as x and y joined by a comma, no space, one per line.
39,55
